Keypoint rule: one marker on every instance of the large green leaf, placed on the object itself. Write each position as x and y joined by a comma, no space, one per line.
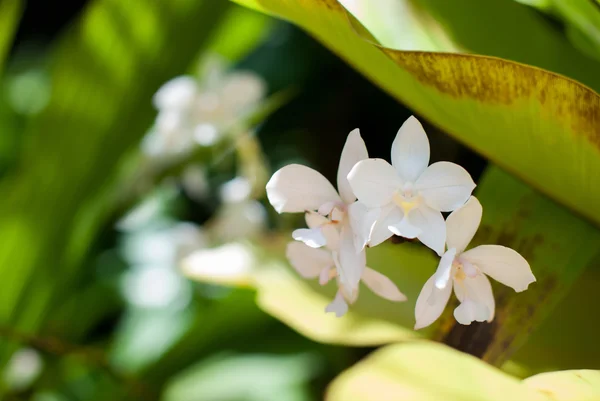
558,249
104,72
429,372
522,118
10,11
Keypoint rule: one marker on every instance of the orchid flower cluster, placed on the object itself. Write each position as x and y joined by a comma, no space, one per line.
194,112
377,200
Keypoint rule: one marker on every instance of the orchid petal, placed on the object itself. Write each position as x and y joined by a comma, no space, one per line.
296,188
354,151
315,220
338,305
332,236
431,303
469,311
374,182
462,224
362,220
442,274
502,264
410,150
480,304
445,186
326,274
312,237
308,262
351,265
432,225
382,285
388,216
405,229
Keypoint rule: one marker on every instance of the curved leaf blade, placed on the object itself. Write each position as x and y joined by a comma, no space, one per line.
571,385
426,371
539,125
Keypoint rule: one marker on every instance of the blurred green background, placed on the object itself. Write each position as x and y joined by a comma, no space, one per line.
93,304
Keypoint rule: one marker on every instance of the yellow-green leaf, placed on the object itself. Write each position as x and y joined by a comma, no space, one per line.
539,125
301,305
426,371
570,385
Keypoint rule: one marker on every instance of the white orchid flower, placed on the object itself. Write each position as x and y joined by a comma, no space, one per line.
467,271
330,217
408,195
318,262
192,112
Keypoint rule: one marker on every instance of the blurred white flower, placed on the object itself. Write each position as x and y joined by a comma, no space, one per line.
466,272
407,195
239,216
164,246
195,181
331,219
194,113
22,369
155,287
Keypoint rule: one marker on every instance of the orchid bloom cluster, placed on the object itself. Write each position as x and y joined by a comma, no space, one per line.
377,200
193,112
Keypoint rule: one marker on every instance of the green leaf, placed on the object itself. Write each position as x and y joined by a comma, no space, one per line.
248,377
103,74
522,118
10,13
426,371
572,385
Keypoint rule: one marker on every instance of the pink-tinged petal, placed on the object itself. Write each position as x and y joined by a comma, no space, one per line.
405,229
308,262
351,264
477,292
442,274
177,94
388,216
326,274
312,237
362,220
382,286
374,182
432,225
462,224
431,303
410,150
354,151
332,236
315,220
469,311
502,264
338,305
445,186
296,188
326,208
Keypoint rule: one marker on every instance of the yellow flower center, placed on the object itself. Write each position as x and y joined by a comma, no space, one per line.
406,204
